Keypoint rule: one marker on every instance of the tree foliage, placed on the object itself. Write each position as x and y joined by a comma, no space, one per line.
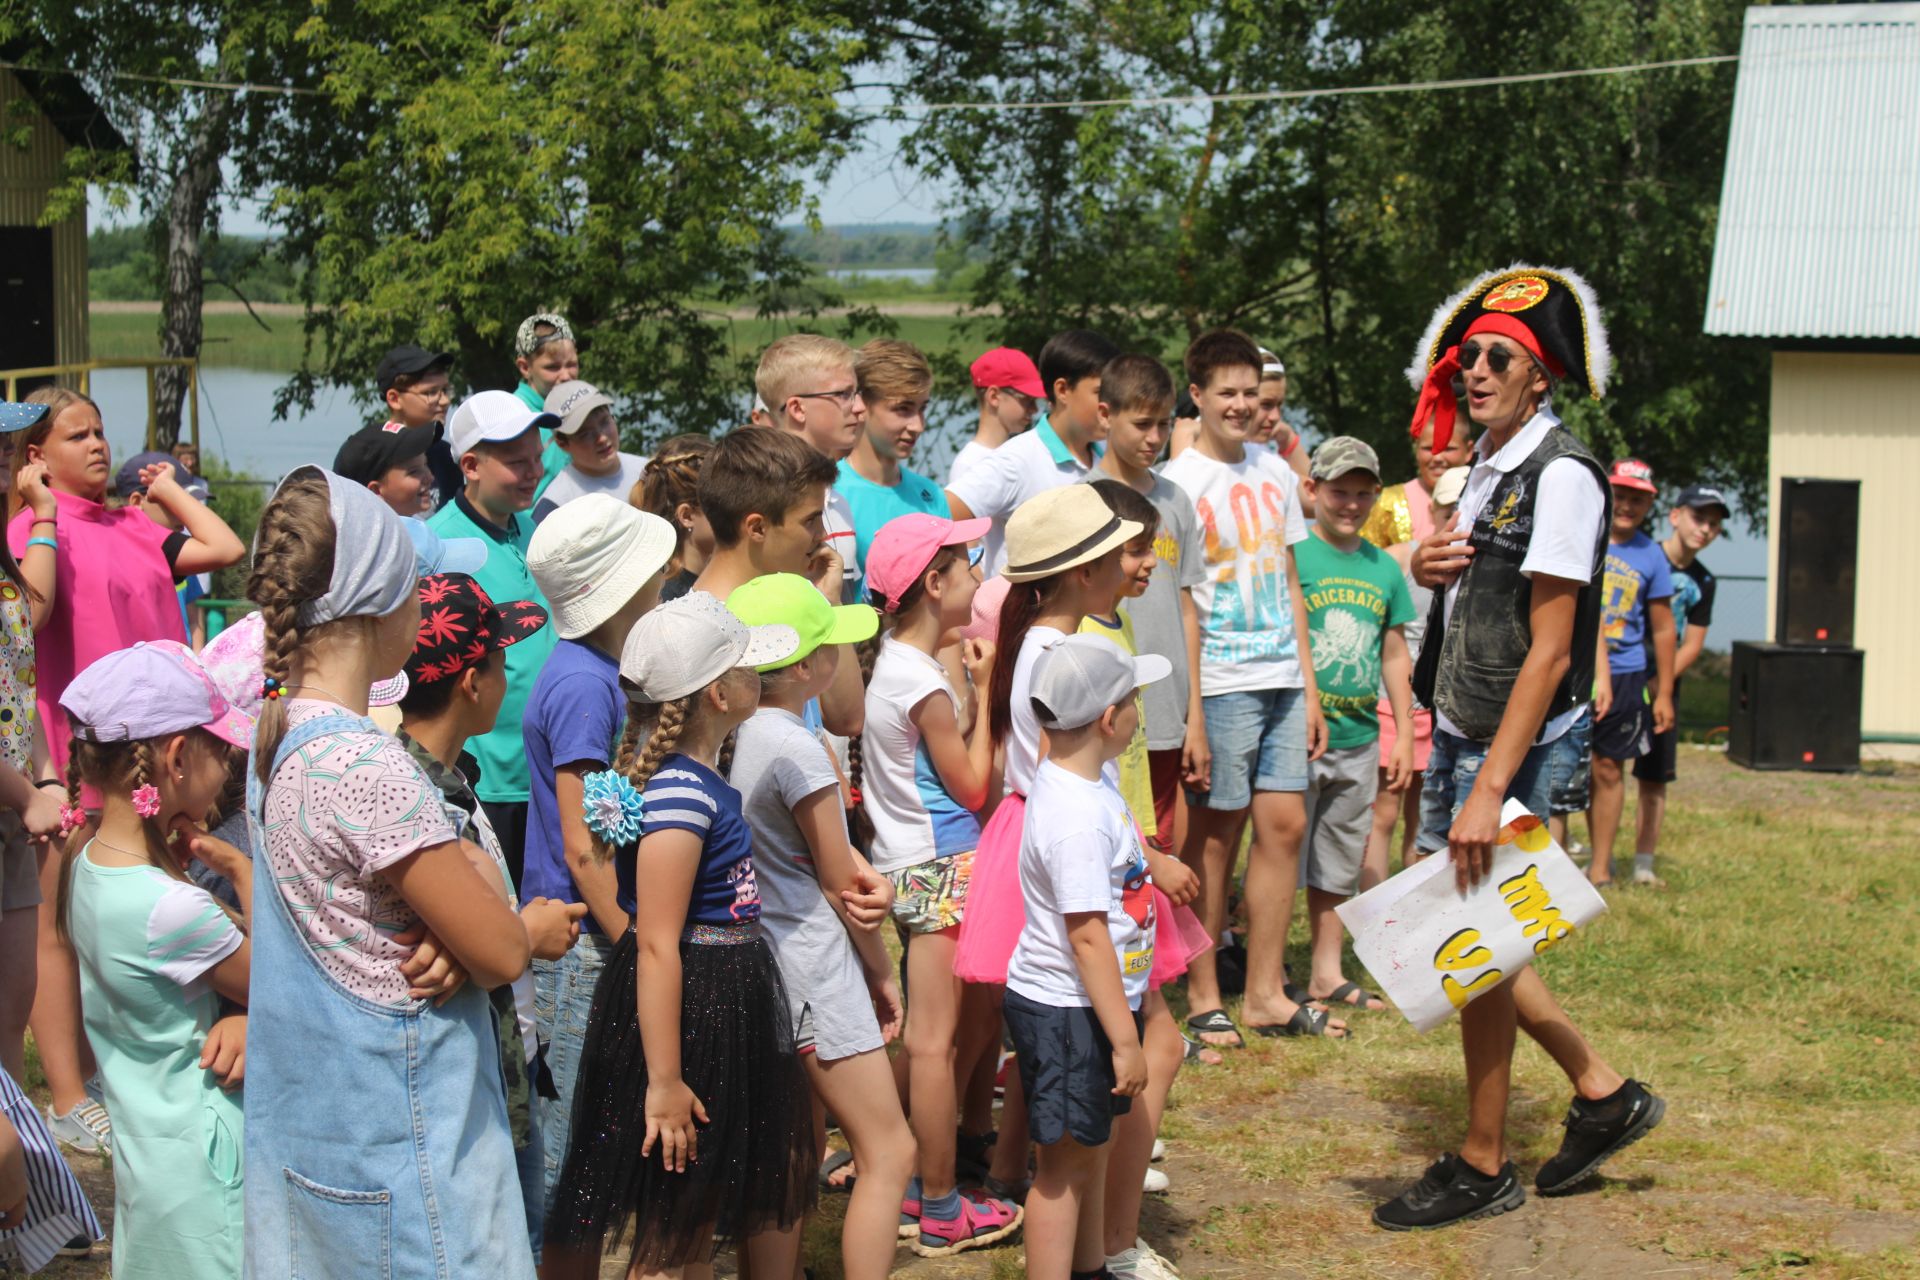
469,163
1330,226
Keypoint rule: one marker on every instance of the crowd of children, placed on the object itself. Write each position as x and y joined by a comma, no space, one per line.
594,786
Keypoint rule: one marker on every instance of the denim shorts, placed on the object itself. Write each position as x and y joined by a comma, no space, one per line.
1259,743
1450,775
1571,768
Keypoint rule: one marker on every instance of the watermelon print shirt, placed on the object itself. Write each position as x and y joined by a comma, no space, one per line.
339,811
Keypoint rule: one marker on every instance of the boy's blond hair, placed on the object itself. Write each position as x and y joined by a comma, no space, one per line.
889,369
787,367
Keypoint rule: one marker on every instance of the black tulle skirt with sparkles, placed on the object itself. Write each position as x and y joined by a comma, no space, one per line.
756,1168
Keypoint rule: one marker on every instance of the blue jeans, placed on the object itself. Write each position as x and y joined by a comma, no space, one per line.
1451,772
562,999
1259,742
1572,771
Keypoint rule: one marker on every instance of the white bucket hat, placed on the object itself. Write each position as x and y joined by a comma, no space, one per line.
590,555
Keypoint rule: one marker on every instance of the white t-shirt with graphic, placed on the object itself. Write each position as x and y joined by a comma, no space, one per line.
1249,515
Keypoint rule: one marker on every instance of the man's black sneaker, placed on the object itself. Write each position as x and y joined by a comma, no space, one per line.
1595,1130
1451,1191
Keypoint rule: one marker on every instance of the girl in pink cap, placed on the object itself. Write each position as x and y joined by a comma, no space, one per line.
163,966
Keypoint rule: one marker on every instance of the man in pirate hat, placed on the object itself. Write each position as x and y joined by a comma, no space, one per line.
1508,661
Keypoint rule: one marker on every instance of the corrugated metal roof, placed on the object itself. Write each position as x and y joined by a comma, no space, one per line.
1819,233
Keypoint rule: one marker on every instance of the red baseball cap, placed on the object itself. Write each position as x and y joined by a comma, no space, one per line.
1005,367
1631,473
907,544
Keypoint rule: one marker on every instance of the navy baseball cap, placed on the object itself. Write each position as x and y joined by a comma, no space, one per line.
1704,495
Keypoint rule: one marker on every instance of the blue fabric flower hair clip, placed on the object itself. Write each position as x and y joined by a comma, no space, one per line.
613,808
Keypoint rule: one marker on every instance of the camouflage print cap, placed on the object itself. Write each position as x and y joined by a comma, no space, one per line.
1335,457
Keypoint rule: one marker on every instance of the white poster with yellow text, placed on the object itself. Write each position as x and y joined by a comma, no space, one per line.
1434,948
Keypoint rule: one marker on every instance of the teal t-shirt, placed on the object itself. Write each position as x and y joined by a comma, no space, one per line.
504,577
1352,597
553,459
875,504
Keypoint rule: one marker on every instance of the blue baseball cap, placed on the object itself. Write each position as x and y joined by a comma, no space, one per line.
15,416
434,554
1704,495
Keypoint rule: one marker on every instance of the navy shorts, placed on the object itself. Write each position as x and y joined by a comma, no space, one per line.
1662,763
1066,1069
1626,733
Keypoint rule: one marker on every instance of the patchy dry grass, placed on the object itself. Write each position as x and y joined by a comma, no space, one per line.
1771,993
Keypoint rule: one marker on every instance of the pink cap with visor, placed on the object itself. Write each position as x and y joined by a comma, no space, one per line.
156,688
907,544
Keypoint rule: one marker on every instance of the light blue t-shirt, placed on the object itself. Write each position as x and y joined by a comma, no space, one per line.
875,504
1637,573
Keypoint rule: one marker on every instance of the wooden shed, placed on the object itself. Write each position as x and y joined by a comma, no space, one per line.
43,269
1818,254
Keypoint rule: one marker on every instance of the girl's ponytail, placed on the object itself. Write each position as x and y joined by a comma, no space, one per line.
1017,613
292,564
859,824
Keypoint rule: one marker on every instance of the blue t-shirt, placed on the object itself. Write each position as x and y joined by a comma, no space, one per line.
1636,573
875,504
573,716
685,795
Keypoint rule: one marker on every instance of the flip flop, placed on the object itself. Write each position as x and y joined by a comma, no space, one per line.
832,1165
1215,1022
1343,996
1304,1022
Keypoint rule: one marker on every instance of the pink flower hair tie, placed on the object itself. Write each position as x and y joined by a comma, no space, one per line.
71,819
146,801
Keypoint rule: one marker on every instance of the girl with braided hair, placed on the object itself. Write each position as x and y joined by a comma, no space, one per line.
670,489
379,1135
690,1043
162,963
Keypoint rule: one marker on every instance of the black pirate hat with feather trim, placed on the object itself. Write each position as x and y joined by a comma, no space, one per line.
1550,311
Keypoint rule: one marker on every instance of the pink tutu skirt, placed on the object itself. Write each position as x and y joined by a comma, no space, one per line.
996,911
1178,937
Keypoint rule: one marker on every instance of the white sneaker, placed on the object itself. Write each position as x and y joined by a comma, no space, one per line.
1159,1151
86,1129
1139,1263
1156,1181
1159,1260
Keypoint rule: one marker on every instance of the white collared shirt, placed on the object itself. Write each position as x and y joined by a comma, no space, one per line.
1567,528
1031,463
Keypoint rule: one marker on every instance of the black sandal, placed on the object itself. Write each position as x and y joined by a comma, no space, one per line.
1304,1022
1215,1022
1342,996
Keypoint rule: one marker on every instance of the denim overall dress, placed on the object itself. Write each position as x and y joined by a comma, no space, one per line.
377,1144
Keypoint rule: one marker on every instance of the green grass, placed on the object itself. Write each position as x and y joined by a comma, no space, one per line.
1769,993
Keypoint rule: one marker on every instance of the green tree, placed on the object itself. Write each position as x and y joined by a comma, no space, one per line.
1330,226
469,163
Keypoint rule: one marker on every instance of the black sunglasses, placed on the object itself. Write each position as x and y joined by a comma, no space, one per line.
1498,358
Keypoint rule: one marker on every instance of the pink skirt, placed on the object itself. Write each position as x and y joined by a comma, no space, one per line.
1178,937
996,911
1422,736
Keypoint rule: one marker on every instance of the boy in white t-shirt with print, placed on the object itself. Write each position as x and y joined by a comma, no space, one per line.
1261,704
1079,972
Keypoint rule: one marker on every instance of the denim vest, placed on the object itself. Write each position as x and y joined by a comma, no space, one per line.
376,1137
1469,674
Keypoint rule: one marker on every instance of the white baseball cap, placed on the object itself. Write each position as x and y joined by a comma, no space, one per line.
492,417
591,554
571,402
1081,676
686,644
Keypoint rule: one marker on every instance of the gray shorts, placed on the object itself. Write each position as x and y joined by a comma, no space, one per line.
1341,786
19,865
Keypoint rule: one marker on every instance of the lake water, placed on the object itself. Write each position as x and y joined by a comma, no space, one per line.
912,275
237,425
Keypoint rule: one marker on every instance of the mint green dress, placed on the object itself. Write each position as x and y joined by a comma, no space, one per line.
146,942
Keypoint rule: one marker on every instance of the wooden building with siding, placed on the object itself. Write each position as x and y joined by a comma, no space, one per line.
1818,253
43,269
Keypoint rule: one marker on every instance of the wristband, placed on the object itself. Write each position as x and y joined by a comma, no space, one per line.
51,782
1291,446
43,542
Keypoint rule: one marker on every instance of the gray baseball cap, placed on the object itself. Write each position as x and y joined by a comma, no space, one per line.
1336,457
1081,676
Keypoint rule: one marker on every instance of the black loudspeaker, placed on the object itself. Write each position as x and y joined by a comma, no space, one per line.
1795,707
1819,542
